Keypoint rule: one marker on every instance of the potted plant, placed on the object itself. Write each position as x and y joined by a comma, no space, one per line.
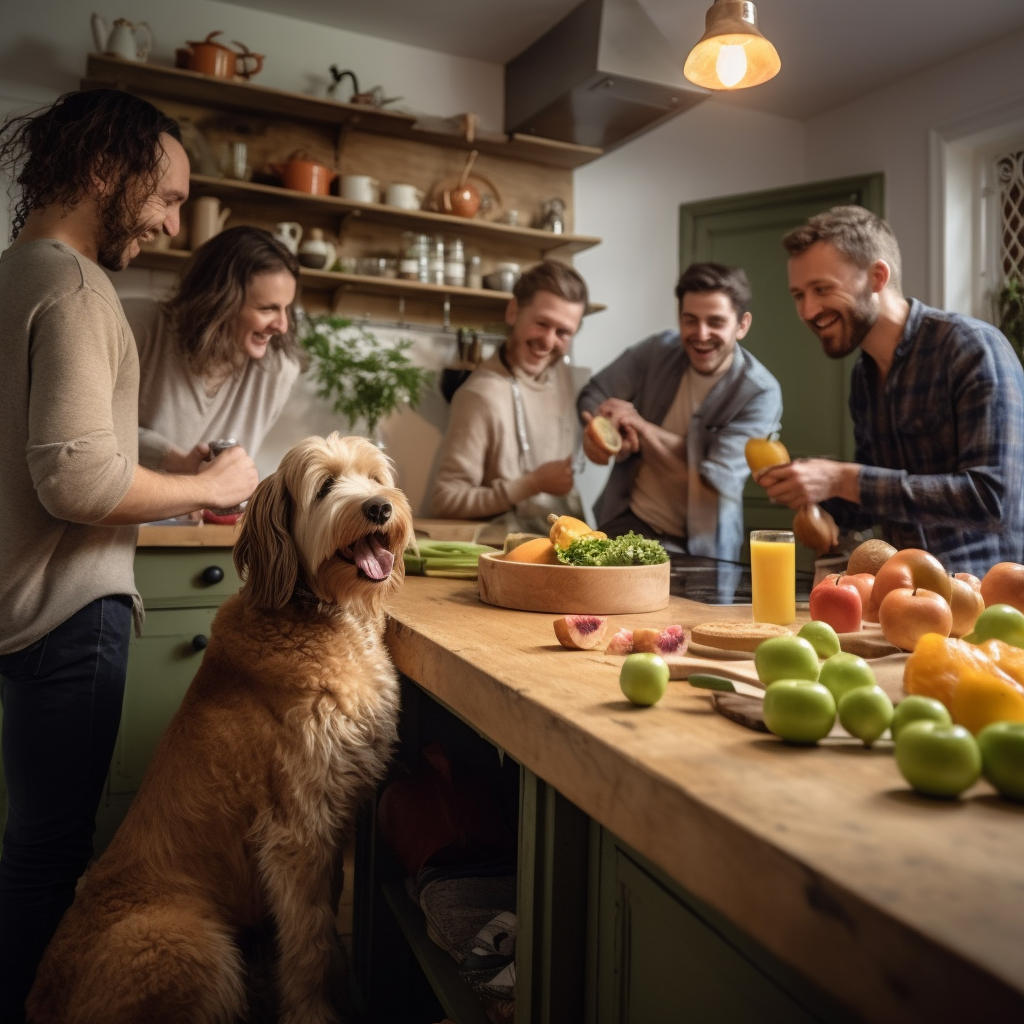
1009,302
365,379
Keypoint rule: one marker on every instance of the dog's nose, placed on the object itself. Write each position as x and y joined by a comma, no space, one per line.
377,510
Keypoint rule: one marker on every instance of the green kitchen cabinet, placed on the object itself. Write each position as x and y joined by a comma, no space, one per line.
181,588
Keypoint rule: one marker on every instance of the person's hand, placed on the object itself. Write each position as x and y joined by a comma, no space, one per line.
797,483
178,461
553,477
593,451
231,477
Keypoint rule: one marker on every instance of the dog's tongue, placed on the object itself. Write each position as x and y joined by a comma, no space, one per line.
373,558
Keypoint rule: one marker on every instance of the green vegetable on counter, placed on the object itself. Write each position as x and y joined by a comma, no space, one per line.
629,549
449,559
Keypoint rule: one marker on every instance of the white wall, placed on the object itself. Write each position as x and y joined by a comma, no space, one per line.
888,131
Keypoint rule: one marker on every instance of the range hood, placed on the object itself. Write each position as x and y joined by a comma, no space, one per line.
603,75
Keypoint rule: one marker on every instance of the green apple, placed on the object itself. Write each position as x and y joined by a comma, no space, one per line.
1002,757
999,622
821,636
917,707
799,710
936,759
644,678
785,657
844,672
865,712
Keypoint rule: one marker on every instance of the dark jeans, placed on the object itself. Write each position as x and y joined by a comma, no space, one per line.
62,700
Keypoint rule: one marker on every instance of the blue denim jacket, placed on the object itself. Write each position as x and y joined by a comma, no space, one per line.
745,403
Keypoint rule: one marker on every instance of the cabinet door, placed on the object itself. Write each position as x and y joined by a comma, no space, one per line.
661,962
161,664
184,577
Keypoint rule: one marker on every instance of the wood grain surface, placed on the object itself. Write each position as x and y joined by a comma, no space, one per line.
905,908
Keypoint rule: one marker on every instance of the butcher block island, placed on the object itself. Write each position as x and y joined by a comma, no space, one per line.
675,865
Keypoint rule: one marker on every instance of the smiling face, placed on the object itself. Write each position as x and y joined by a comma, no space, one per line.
541,331
160,212
837,300
264,312
709,328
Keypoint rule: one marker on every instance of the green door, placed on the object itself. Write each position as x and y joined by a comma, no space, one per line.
746,231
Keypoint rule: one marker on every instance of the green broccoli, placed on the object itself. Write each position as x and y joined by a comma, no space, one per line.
629,549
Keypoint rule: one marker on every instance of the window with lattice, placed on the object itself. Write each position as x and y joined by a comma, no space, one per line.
1009,182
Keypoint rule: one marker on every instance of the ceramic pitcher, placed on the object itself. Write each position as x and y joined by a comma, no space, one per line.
207,219
125,40
288,233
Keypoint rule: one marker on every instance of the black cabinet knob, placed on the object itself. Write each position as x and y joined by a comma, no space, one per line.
212,574
199,642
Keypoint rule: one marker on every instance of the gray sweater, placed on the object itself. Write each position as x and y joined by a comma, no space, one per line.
69,379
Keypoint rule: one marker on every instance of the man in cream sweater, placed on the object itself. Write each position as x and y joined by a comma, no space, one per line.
507,453
97,172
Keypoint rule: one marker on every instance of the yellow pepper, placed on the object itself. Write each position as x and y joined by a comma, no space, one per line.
981,698
566,529
976,683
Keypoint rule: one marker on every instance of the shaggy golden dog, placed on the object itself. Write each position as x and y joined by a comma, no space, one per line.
287,726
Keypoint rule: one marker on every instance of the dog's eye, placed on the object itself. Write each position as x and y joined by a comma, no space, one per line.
325,489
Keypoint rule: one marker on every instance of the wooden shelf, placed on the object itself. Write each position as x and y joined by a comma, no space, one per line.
484,299
424,221
240,95
441,970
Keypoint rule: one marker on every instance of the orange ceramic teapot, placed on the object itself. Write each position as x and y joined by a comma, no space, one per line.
304,175
213,58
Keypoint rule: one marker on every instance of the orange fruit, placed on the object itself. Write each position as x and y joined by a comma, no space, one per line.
540,551
762,452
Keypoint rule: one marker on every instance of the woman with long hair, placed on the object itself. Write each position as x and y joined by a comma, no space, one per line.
219,358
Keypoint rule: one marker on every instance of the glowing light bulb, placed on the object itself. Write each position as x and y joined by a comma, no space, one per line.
731,65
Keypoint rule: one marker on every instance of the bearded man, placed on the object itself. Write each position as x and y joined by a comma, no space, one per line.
96,173
937,401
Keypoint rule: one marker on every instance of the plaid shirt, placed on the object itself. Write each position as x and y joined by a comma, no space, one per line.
941,443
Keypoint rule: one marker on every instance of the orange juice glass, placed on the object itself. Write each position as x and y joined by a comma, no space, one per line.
773,576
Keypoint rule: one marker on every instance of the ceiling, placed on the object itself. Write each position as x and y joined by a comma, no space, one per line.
831,51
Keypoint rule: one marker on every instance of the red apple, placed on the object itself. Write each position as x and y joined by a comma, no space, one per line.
906,614
862,581
836,604
1004,584
909,568
966,604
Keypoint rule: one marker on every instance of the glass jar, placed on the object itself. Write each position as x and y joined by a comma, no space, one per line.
455,264
435,273
474,272
415,249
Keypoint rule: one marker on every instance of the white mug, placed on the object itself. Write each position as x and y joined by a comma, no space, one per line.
406,197
288,234
360,187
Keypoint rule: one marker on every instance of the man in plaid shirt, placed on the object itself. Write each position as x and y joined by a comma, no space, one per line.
937,401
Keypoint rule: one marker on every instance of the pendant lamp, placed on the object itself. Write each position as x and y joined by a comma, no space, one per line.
732,53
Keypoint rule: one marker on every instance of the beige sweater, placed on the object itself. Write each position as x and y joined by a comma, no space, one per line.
69,379
481,472
174,406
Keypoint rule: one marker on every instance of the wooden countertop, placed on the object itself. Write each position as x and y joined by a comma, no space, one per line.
905,908
197,535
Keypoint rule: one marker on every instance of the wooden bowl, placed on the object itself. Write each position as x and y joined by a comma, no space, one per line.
571,589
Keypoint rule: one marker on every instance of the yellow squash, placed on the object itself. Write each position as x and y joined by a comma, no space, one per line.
566,529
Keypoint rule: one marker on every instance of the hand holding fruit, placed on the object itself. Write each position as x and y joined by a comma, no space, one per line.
553,477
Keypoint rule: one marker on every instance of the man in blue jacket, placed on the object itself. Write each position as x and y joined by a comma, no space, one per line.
685,402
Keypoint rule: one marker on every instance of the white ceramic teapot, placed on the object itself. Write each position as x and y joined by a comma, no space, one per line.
124,39
316,252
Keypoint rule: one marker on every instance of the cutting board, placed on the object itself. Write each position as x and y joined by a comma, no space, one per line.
744,707
573,589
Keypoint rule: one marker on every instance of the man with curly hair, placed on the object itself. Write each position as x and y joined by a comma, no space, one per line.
95,173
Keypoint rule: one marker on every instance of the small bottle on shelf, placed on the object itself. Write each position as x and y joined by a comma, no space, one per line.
455,264
474,272
436,264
